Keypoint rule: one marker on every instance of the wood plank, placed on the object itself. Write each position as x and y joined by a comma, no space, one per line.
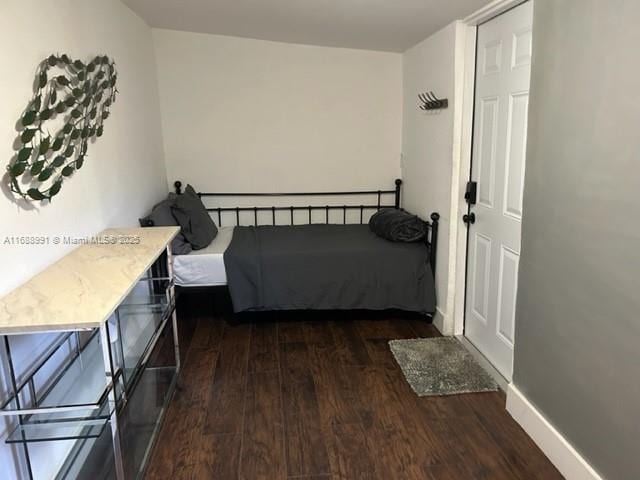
519,449
448,471
423,328
350,349
387,329
263,354
290,332
318,334
380,352
462,440
185,417
209,333
306,452
337,399
312,477
263,441
349,453
334,389
482,458
188,472
403,446
218,457
226,406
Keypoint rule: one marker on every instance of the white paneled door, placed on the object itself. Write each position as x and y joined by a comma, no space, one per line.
503,67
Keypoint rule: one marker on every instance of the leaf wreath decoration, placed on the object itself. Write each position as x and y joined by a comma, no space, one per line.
79,97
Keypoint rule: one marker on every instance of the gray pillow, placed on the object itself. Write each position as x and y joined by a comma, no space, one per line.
197,225
161,216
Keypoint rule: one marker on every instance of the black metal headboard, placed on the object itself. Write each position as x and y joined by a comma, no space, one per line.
379,196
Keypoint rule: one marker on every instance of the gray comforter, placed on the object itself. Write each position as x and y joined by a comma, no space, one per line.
326,267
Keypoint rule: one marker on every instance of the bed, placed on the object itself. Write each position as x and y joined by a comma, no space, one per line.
316,265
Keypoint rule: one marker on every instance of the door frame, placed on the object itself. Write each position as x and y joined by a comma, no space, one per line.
465,62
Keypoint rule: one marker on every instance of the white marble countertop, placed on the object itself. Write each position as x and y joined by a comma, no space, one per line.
83,289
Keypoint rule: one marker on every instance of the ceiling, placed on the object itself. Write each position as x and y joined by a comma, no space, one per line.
391,25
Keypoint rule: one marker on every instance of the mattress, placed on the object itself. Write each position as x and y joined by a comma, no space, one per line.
326,267
205,267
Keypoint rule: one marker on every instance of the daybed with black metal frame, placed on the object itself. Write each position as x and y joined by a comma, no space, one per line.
312,261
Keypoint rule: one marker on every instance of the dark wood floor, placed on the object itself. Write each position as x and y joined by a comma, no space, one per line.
320,397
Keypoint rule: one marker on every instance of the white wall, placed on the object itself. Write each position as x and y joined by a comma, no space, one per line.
253,115
430,149
124,173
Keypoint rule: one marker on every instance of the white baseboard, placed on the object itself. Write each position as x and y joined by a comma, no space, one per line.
561,453
439,321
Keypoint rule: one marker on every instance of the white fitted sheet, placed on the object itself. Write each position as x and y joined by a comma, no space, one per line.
205,267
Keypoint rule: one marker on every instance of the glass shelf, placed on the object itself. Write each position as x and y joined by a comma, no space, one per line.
82,382
78,389
138,324
140,317
68,429
90,459
143,414
74,404
79,381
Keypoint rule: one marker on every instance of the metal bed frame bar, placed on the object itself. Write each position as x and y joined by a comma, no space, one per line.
379,193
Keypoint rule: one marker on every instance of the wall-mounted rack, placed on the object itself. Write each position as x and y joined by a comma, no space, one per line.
431,102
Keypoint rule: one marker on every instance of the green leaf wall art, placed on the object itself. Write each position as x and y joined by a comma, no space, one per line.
72,100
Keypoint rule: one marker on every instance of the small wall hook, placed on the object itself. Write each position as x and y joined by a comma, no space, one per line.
431,102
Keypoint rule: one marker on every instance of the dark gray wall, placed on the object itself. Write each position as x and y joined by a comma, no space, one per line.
577,353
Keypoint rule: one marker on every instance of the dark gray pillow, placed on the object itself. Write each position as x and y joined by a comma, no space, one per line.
161,216
197,225
397,225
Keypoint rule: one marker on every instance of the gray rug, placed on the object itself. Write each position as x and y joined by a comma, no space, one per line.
440,366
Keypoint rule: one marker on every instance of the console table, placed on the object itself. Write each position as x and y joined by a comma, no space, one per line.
102,384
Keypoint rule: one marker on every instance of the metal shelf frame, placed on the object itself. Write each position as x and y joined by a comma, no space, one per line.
81,420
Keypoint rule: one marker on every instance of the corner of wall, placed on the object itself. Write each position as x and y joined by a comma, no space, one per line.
163,147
